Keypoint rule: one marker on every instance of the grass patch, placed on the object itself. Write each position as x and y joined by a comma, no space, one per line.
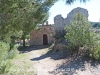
22,65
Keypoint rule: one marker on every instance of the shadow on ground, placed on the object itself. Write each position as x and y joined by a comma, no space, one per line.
31,48
71,64
53,55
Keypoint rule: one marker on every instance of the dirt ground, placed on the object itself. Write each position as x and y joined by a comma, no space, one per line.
59,63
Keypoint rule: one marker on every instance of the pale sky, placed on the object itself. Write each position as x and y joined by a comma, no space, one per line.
93,7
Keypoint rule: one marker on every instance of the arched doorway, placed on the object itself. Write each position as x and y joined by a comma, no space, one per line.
45,39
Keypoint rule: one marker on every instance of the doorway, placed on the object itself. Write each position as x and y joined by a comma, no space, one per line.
45,39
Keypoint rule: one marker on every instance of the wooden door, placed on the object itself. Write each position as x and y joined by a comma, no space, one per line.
45,39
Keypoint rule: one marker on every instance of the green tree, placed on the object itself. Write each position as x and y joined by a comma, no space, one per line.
22,15
72,1
78,33
32,18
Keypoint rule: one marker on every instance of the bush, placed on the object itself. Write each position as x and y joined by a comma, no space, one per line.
5,54
4,48
78,33
95,52
4,63
95,48
12,53
59,34
5,66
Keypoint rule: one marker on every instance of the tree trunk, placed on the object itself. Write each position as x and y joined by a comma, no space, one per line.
11,43
23,38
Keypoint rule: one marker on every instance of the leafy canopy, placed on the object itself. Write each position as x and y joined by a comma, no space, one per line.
22,15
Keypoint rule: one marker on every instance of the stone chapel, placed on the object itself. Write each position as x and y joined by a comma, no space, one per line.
44,35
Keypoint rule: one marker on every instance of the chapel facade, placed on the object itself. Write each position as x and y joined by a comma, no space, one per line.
43,36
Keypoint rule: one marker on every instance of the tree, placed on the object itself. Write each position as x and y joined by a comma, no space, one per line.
32,18
78,33
22,15
72,1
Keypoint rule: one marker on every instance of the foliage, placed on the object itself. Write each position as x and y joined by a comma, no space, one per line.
51,47
95,52
77,33
22,15
5,64
33,15
95,48
5,54
16,18
4,47
27,36
72,1
12,53
59,34
95,24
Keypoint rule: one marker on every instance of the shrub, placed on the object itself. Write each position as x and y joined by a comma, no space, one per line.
95,52
59,34
5,54
78,33
4,47
4,63
95,48
5,66
12,53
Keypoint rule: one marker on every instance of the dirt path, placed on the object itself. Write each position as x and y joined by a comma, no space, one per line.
43,62
60,63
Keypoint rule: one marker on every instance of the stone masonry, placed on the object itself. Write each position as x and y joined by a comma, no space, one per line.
60,22
38,36
43,36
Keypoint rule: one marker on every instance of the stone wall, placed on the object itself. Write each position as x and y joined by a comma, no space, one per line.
60,22
36,36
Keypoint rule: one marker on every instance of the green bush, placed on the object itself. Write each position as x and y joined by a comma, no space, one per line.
4,63
5,54
78,33
59,34
4,47
95,52
12,53
5,66
95,48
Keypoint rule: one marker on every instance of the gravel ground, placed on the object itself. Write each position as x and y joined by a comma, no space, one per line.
60,63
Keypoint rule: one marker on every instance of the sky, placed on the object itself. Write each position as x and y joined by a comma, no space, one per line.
60,7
